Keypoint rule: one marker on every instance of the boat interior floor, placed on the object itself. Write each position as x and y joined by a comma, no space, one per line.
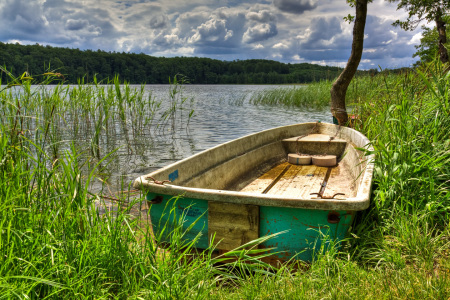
300,181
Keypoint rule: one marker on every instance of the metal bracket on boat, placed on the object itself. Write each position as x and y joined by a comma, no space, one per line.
333,217
323,186
321,196
156,181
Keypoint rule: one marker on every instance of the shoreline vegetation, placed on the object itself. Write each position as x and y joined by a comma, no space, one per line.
78,65
55,243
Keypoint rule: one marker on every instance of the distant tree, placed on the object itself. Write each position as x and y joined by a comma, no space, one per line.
428,48
339,88
429,10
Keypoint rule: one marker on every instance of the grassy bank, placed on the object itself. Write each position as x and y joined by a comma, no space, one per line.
311,96
316,95
55,242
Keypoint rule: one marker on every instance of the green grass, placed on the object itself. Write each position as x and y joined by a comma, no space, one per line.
55,243
311,96
316,96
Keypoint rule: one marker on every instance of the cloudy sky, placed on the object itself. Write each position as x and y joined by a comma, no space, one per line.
292,31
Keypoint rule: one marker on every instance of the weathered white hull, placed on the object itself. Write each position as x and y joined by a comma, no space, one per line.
209,174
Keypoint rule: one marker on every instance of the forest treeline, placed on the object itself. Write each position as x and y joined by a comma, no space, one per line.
75,64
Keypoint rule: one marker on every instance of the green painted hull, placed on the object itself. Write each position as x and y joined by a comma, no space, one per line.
308,231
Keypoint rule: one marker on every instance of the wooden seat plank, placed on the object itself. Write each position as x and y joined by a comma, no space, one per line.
311,182
260,184
340,182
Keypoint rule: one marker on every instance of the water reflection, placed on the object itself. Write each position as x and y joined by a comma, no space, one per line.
149,126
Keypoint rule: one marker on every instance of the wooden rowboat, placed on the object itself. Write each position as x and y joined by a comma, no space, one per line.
246,188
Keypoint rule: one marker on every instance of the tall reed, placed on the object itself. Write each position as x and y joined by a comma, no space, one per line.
316,96
98,117
59,240
311,96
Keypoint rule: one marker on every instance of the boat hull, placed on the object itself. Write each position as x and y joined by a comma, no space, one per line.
218,195
307,232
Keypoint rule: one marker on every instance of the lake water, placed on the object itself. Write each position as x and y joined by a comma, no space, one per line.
96,122
221,113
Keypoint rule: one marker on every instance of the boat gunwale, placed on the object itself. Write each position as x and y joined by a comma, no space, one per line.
360,202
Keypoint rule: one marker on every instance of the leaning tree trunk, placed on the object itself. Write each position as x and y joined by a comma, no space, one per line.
440,26
341,84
